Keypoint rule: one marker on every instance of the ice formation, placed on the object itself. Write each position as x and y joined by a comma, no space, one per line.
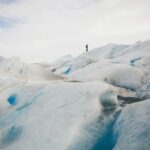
96,101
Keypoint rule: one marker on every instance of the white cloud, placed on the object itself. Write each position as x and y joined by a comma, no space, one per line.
48,29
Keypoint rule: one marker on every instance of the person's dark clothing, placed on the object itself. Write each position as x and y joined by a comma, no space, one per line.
86,48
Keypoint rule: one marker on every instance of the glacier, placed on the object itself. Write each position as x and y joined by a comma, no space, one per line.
98,100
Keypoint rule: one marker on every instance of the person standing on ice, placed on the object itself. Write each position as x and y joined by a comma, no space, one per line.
86,47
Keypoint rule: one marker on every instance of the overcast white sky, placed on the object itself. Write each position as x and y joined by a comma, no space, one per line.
44,30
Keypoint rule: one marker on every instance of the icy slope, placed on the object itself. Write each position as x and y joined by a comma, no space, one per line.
132,129
137,54
127,67
95,55
48,116
15,68
116,74
82,103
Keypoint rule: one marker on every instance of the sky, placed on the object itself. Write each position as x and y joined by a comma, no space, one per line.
44,30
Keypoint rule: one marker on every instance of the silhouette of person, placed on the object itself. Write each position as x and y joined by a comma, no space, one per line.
86,47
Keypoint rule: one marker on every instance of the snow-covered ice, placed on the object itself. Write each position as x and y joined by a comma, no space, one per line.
132,129
91,102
